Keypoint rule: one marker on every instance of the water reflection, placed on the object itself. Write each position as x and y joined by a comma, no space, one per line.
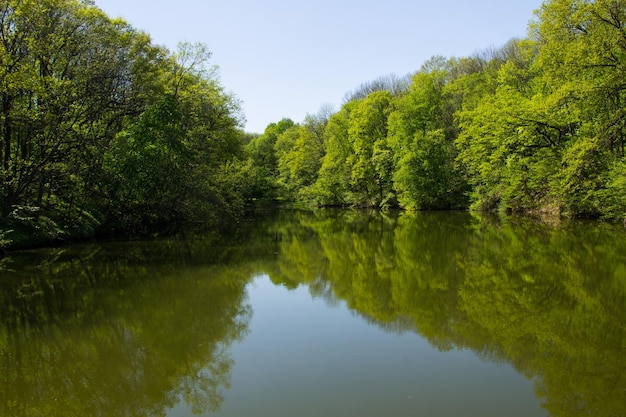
549,300
118,330
131,329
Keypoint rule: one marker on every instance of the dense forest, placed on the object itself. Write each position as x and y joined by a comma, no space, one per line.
537,125
102,131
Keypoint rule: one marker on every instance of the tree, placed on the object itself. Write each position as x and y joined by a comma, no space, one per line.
168,164
263,154
65,76
300,150
370,181
510,143
69,76
582,54
333,181
421,134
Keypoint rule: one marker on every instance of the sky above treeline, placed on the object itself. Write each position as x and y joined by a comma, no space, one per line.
289,58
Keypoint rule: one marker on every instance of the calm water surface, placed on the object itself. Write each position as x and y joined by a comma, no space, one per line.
323,313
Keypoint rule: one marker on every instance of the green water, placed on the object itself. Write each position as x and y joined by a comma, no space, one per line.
323,313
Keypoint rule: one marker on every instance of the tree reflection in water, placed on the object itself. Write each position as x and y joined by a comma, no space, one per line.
131,329
118,330
549,299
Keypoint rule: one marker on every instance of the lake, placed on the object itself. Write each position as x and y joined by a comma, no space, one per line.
324,312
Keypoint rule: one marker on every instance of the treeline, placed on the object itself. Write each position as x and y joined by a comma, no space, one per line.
537,125
103,131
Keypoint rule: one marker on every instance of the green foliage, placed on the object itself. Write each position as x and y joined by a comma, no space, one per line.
96,121
582,178
421,137
425,176
370,179
63,94
299,150
356,168
264,154
146,161
333,182
513,291
101,130
613,197
168,165
534,126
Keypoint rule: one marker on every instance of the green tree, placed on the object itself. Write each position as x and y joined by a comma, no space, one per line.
510,143
168,165
421,134
300,150
263,153
67,79
582,53
370,156
333,181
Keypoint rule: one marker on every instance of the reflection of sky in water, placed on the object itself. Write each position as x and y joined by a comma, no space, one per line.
303,358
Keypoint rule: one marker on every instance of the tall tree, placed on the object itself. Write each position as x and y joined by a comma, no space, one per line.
333,181
371,161
299,151
583,54
67,78
167,164
421,134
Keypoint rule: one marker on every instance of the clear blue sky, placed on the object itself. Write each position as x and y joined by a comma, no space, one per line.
288,58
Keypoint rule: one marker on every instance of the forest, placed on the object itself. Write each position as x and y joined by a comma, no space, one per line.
102,132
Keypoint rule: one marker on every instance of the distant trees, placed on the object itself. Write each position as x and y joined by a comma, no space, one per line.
357,165
536,125
391,83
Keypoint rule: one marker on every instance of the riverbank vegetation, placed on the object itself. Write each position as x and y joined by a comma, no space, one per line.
537,125
101,131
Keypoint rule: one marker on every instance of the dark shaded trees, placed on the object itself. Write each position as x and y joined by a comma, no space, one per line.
68,78
96,124
166,165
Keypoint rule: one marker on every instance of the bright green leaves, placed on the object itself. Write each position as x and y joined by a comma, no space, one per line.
425,177
370,160
583,177
264,152
424,173
536,143
537,125
333,182
300,150
357,166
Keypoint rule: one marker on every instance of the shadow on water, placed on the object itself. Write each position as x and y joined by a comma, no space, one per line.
131,328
